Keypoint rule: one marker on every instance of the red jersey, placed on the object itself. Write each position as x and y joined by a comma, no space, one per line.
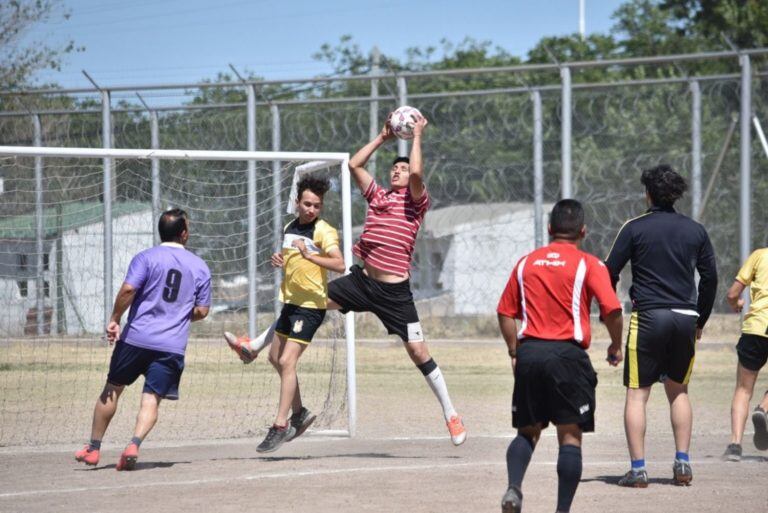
391,225
550,292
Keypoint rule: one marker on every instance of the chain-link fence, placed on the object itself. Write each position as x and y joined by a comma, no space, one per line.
490,188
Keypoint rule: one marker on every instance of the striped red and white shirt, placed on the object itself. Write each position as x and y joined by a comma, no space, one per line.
391,225
550,291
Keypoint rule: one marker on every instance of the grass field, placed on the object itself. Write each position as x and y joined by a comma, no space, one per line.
400,460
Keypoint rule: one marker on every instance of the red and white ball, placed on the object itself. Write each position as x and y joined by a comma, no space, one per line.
401,121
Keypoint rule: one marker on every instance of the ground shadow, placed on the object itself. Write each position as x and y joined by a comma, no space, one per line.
758,459
614,480
371,455
140,465
746,457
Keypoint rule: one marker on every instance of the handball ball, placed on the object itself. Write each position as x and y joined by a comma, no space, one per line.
401,121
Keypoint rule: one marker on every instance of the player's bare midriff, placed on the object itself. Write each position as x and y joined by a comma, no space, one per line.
383,276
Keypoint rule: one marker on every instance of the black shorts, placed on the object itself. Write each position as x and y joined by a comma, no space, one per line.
752,351
298,323
161,370
554,382
392,303
660,344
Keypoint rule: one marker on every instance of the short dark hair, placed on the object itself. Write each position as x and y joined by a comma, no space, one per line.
316,184
664,185
401,159
566,219
172,223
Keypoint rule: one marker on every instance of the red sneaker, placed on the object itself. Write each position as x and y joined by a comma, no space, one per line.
87,455
128,458
240,345
456,429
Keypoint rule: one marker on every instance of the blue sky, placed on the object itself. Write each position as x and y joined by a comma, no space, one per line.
153,41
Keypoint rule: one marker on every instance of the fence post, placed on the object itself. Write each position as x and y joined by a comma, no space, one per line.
696,150
154,130
106,134
566,187
538,171
374,105
39,232
745,160
253,275
277,225
402,99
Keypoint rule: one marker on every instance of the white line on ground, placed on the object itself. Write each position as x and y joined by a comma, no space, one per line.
313,437
307,473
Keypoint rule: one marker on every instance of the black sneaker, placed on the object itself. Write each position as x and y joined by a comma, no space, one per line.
682,474
732,453
276,436
760,420
301,421
512,502
635,479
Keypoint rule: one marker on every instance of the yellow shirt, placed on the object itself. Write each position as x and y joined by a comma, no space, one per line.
754,274
306,284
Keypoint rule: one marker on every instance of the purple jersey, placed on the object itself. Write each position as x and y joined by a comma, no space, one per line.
169,281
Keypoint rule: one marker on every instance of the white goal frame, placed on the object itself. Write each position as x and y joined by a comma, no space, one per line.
313,160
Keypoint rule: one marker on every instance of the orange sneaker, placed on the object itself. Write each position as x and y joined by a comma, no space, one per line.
456,429
128,458
87,455
240,346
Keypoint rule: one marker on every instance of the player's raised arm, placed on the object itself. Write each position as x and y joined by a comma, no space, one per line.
416,177
358,161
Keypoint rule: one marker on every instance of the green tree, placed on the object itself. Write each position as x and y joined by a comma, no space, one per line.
21,58
744,22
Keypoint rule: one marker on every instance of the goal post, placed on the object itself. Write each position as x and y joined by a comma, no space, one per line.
236,200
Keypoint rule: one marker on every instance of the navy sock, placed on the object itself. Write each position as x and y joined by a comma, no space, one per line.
638,465
136,440
682,456
94,445
519,455
427,367
568,475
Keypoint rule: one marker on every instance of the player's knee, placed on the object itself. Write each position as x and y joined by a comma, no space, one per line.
287,362
418,352
274,360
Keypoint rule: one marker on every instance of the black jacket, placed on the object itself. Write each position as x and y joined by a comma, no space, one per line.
665,249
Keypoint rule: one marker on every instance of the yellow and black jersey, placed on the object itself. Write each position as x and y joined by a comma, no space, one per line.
754,274
306,284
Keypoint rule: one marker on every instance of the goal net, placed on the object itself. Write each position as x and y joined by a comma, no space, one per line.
71,219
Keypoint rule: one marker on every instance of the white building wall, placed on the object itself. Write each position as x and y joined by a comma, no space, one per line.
83,262
481,257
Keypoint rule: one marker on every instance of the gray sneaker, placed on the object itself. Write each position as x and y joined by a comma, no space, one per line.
301,421
760,420
512,502
635,479
275,438
732,453
682,474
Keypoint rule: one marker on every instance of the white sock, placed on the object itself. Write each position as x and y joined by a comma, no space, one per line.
263,340
436,382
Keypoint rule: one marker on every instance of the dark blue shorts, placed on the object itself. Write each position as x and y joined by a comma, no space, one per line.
161,370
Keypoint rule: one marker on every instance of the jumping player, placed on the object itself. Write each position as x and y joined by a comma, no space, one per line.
549,293
310,248
666,249
753,352
386,247
166,288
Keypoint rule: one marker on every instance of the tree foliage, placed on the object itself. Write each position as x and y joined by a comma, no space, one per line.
21,58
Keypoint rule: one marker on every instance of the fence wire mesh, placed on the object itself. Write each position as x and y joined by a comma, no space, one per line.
479,167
